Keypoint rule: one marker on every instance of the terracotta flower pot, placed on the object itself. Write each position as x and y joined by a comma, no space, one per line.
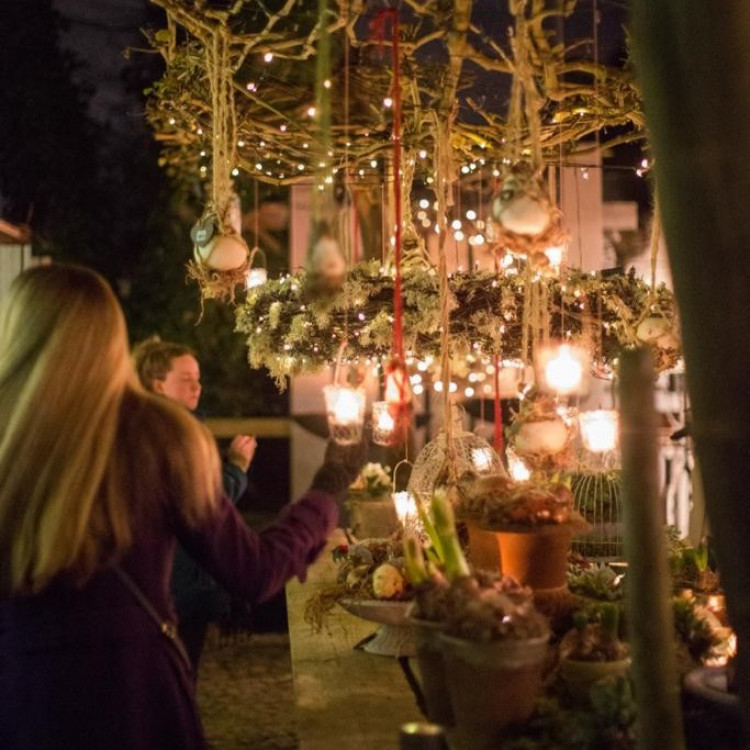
432,670
492,685
483,548
537,557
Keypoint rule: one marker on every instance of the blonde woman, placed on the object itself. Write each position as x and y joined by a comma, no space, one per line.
98,480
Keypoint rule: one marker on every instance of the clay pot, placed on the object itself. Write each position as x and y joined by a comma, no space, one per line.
580,676
492,686
431,667
482,547
538,557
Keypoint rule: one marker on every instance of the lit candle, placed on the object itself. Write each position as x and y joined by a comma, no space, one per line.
599,429
481,458
406,506
256,277
346,412
517,468
383,423
562,368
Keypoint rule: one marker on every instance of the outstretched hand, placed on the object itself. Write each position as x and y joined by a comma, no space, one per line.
241,451
351,457
341,466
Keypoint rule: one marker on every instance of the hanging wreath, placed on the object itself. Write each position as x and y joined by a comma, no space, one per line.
290,334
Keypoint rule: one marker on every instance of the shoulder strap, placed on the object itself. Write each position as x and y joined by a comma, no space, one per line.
166,628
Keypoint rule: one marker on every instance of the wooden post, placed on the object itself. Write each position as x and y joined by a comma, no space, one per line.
649,609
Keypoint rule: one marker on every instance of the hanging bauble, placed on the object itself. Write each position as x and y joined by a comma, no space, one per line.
539,435
216,247
521,204
326,264
225,252
544,437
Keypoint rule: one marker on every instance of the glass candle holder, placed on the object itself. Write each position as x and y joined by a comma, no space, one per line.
256,277
562,368
345,408
383,424
599,430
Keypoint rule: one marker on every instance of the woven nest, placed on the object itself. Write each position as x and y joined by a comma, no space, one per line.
472,454
219,285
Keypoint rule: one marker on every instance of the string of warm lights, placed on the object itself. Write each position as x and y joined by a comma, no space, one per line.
289,334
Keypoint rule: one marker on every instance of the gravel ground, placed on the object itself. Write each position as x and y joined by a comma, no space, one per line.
245,692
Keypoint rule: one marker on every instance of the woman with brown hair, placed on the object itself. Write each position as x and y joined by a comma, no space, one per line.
98,481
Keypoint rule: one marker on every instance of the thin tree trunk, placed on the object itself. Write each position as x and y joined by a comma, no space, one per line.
650,619
693,61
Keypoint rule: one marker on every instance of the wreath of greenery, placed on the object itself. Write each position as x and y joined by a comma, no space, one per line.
290,334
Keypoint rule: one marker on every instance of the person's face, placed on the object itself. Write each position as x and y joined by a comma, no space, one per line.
182,383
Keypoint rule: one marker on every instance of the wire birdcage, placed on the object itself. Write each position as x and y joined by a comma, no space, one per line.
472,453
598,498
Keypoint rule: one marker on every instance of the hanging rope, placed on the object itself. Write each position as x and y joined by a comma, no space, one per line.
224,143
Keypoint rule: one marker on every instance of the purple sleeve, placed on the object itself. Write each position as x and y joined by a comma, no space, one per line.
256,565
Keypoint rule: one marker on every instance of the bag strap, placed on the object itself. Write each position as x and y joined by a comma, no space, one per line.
166,628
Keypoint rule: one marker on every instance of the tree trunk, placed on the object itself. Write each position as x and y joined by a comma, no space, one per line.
693,60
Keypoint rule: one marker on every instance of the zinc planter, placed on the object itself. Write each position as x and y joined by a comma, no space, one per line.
431,665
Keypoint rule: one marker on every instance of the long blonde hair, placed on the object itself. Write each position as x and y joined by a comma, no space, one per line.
85,453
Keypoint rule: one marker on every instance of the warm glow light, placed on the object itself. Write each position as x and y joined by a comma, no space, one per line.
406,507
481,458
562,368
599,430
518,469
346,412
256,277
383,424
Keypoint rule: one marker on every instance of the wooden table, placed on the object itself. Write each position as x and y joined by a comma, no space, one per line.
345,697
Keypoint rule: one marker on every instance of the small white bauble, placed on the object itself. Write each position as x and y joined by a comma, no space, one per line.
522,214
653,328
225,252
546,437
327,259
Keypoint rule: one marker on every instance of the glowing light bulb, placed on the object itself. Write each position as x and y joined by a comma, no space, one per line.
599,430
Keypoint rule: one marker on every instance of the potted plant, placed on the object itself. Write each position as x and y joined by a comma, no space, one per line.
533,523
592,650
370,505
493,641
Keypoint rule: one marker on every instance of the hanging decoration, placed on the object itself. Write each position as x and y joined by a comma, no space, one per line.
541,436
345,406
326,264
397,389
220,254
290,336
527,223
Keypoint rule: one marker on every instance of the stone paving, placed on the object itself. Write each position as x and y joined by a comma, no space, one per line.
245,692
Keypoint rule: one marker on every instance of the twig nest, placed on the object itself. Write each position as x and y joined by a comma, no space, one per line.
521,205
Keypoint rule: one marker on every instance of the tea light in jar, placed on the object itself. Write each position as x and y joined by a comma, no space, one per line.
517,468
562,368
599,430
481,458
346,413
406,507
256,277
383,423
